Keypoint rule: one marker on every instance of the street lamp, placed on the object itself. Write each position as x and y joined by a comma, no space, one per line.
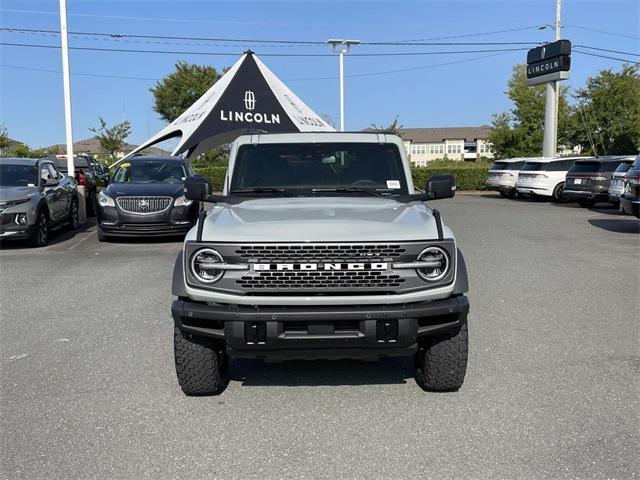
341,47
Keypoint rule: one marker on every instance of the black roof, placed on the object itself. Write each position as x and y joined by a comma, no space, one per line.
144,158
21,160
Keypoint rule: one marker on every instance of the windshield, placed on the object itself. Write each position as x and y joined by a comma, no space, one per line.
12,175
149,172
312,168
532,166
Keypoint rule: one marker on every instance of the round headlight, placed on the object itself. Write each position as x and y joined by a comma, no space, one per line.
203,264
438,260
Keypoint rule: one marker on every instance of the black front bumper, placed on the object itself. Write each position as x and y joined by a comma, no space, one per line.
350,331
173,221
145,229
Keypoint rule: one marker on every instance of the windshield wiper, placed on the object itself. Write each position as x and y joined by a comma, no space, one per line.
352,190
274,191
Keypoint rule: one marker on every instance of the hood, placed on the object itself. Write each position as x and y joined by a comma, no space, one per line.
9,194
145,189
319,219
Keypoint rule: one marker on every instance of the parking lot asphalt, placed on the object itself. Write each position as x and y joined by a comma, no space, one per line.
89,391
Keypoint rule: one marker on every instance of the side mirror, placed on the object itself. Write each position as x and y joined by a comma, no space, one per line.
440,186
197,188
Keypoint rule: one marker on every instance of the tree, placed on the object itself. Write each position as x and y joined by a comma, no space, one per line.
393,128
180,89
4,137
608,107
519,132
112,138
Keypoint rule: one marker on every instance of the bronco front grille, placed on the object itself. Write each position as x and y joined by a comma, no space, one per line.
320,280
144,205
328,252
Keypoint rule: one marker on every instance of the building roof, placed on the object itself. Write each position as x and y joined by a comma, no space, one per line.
436,135
92,147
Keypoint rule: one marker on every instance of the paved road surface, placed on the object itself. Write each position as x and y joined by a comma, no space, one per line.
88,387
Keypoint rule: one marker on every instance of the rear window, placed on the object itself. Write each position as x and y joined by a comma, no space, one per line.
623,167
613,166
507,165
533,166
80,162
586,167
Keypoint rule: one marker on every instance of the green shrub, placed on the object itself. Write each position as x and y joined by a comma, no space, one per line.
214,174
468,176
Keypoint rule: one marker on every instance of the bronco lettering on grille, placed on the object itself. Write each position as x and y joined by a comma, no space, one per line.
261,267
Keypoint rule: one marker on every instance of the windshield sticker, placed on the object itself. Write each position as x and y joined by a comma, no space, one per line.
393,183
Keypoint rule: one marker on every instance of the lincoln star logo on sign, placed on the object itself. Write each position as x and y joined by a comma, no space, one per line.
249,100
249,116
320,266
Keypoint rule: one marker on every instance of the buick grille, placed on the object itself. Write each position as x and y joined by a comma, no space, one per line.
144,205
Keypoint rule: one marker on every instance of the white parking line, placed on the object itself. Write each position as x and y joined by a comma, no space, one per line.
86,237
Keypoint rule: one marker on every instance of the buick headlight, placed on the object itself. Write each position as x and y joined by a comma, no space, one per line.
182,202
105,200
205,265
436,264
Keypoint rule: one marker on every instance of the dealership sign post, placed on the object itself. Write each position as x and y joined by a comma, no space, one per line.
549,64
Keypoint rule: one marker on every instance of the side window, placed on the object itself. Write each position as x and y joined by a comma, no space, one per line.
46,173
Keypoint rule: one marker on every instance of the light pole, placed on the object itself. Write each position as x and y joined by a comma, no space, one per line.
342,47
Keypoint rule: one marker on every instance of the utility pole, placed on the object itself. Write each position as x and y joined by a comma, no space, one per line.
344,48
550,142
67,86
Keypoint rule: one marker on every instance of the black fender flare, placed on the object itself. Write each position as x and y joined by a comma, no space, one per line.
462,281
177,283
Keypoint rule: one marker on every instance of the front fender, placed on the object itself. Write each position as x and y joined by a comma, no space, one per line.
462,282
177,282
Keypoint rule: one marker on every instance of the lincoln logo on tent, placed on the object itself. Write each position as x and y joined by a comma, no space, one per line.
248,98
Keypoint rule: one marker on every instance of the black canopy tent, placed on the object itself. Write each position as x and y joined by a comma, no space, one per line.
248,98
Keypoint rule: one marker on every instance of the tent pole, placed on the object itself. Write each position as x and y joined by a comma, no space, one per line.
342,90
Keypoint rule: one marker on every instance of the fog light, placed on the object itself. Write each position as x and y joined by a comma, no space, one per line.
21,219
438,264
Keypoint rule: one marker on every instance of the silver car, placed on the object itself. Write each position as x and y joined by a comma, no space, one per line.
34,199
616,188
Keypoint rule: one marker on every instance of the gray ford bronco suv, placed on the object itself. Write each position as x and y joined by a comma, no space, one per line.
319,247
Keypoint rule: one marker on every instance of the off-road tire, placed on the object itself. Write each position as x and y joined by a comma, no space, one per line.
40,236
74,215
441,362
201,364
557,193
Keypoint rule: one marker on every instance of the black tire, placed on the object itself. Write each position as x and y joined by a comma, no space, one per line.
201,364
586,203
74,215
441,362
40,236
101,236
557,193
503,194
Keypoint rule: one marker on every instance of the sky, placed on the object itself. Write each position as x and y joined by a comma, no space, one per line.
426,90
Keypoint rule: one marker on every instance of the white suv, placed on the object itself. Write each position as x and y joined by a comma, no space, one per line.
544,176
503,176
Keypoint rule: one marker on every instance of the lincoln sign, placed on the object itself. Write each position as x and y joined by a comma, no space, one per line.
549,63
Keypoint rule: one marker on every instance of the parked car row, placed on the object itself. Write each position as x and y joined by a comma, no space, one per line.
585,180
144,196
